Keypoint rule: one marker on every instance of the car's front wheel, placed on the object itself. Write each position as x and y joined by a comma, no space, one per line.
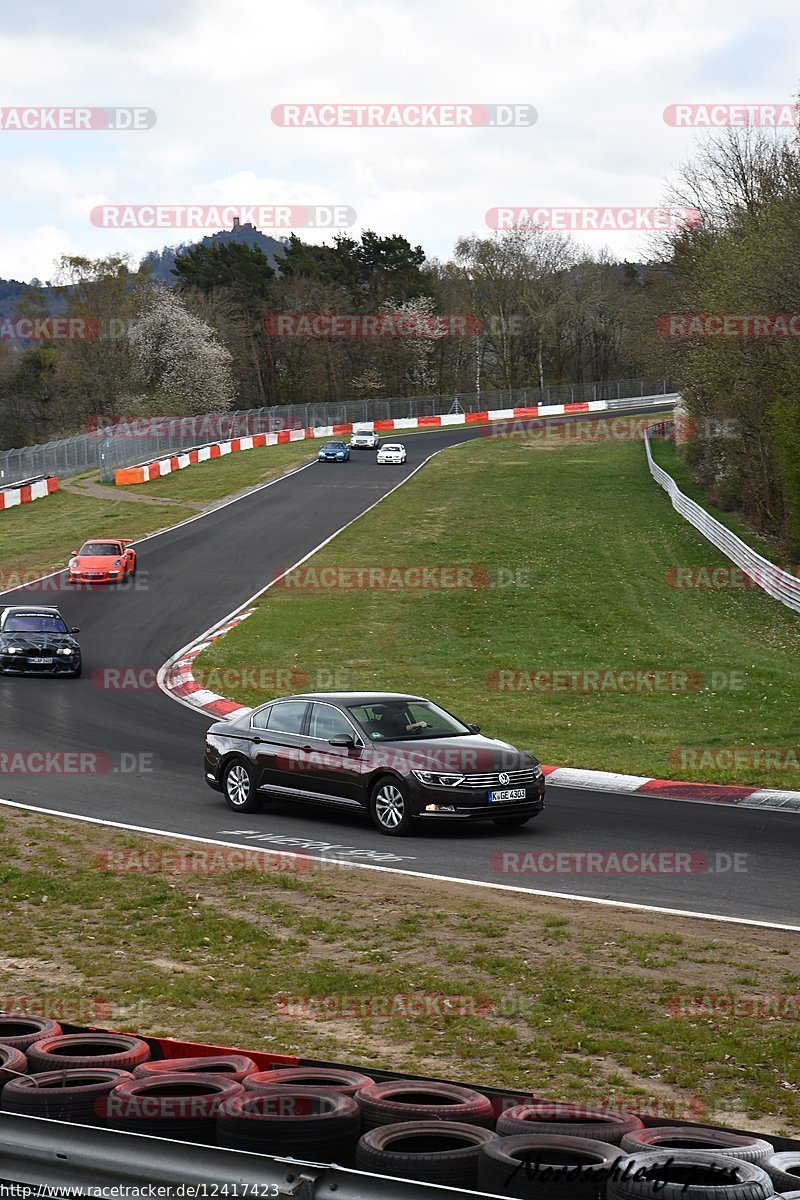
511,822
239,787
390,807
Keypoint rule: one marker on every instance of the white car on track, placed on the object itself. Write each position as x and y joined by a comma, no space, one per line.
392,452
364,437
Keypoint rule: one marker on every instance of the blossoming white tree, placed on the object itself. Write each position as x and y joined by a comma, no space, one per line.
180,365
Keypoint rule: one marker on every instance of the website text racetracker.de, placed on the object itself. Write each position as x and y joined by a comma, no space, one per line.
611,680
416,115
454,577
617,862
143,1191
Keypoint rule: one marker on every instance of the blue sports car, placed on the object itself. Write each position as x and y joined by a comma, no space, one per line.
334,452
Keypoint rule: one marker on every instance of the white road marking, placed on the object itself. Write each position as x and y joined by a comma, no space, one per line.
496,887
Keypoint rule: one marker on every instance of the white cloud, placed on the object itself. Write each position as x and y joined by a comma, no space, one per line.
600,73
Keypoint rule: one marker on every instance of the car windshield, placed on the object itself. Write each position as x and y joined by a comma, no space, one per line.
100,549
333,446
34,623
401,720
392,447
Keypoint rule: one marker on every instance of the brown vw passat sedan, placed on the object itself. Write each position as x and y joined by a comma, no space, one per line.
394,756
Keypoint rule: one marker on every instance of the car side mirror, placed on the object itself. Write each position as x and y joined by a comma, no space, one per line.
342,739
75,629
73,553
474,728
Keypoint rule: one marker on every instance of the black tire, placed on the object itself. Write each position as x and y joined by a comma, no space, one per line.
298,1122
546,1166
180,1106
430,1151
20,1032
698,1137
512,822
73,1095
74,1050
390,807
12,1063
422,1100
238,780
568,1120
784,1170
333,1079
688,1175
235,1067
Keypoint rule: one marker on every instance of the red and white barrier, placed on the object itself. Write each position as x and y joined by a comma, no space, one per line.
144,472
37,490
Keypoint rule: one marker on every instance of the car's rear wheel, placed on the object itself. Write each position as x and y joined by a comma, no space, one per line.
511,822
239,787
390,807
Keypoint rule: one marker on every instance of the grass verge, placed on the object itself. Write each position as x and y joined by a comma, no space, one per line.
220,477
597,538
667,456
576,1002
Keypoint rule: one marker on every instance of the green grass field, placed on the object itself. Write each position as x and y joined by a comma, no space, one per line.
597,539
572,1002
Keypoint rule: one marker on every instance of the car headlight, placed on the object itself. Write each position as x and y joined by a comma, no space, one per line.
65,650
74,565
433,778
537,768
13,650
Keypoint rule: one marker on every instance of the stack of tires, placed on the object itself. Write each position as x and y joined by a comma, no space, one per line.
423,1130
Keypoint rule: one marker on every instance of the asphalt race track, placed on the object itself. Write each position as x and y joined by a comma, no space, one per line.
193,576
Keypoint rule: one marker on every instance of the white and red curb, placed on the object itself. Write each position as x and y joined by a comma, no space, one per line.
10,497
179,682
144,472
672,789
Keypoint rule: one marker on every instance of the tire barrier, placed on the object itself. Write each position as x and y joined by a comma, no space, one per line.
429,1151
784,1170
688,1175
72,1095
568,1120
233,1066
299,1122
422,1100
12,1063
547,1166
22,1031
345,1082
178,1106
430,1131
87,1050
700,1138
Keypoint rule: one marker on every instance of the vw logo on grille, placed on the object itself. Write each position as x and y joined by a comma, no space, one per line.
504,777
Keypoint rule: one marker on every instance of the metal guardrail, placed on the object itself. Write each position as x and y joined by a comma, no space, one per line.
142,439
38,1152
772,579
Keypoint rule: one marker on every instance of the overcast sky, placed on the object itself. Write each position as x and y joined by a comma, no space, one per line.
598,72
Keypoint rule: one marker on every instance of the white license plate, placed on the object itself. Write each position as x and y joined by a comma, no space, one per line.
508,794
40,661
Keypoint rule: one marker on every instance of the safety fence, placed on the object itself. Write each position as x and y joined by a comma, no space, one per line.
776,582
119,440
